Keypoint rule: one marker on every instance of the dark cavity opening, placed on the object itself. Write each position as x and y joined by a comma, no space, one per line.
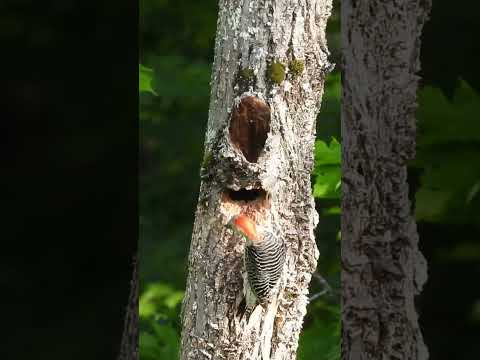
246,195
249,127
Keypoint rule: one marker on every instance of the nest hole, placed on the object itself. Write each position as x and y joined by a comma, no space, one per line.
246,195
249,127
254,203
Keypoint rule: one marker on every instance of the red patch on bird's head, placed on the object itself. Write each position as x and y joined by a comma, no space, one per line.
246,225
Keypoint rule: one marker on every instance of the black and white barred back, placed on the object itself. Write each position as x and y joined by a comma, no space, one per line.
264,263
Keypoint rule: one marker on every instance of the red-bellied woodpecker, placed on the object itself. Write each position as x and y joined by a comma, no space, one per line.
264,258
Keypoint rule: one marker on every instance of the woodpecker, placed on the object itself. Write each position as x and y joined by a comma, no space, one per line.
264,257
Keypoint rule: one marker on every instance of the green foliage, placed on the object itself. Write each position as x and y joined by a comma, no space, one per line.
145,79
276,72
162,342
159,332
186,79
321,338
178,27
328,122
296,67
448,155
327,170
159,299
333,34
447,207
171,130
445,122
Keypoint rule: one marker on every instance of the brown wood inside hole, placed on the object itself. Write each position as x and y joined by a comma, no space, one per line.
249,127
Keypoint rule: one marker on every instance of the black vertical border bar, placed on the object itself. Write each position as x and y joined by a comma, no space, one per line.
69,153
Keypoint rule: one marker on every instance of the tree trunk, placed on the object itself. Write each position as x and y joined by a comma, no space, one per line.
267,83
382,268
129,344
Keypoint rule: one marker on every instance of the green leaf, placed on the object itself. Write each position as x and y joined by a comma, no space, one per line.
158,310
148,346
327,154
448,149
431,204
169,338
334,210
441,121
327,169
159,299
145,79
326,182
186,79
448,184
321,339
162,344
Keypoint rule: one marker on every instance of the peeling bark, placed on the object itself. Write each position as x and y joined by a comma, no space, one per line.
258,160
382,268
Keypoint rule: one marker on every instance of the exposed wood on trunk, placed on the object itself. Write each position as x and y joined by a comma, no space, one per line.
382,268
265,177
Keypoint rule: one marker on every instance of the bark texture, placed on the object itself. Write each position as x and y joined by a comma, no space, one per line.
258,160
382,268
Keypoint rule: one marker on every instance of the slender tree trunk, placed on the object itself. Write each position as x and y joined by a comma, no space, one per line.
129,345
267,84
382,267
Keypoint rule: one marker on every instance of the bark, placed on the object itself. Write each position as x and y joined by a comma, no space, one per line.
129,345
258,159
382,268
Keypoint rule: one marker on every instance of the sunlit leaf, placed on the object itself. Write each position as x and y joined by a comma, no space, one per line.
145,79
327,169
158,298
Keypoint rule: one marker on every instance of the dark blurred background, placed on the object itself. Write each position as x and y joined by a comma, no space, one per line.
68,133
176,44
445,180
